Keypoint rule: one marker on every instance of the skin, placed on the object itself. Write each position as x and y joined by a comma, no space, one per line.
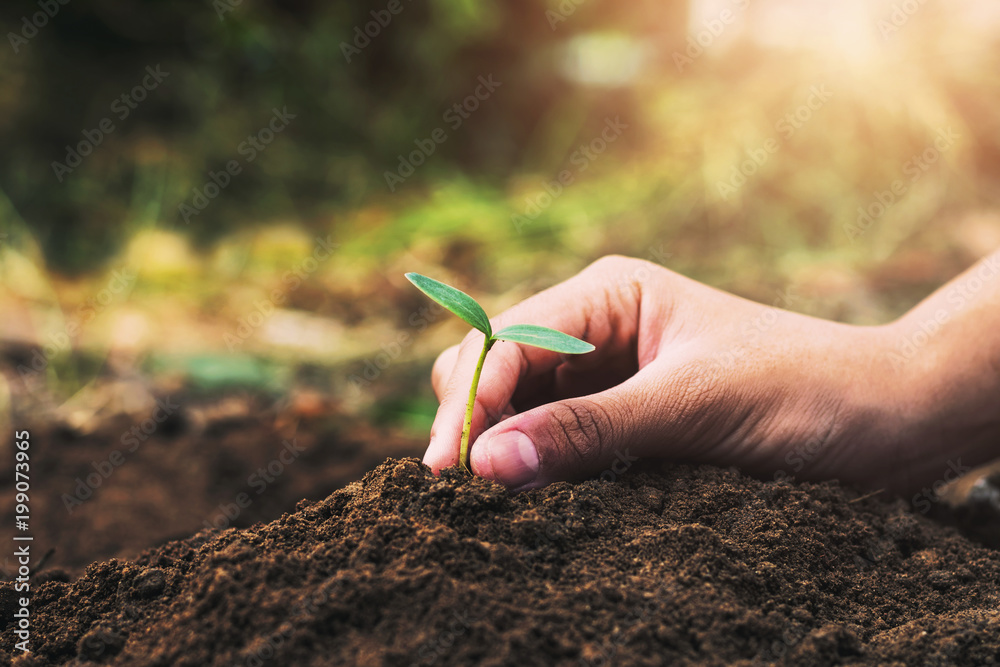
687,373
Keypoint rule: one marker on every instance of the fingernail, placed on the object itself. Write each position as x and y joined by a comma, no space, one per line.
514,458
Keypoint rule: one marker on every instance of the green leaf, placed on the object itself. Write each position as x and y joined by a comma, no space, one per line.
543,337
454,300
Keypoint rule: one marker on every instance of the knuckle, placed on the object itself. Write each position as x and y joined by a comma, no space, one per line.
494,413
505,365
627,273
580,426
472,341
612,264
443,366
699,391
696,384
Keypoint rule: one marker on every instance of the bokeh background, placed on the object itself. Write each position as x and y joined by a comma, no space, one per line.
740,142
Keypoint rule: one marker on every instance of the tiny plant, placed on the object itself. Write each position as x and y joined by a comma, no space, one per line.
473,314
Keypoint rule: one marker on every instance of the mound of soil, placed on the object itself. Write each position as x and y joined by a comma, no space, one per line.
687,566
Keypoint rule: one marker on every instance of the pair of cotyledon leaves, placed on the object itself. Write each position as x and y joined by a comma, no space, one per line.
470,311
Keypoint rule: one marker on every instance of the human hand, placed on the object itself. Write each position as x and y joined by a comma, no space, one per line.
682,372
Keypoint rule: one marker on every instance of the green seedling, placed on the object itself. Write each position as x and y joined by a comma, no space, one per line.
472,313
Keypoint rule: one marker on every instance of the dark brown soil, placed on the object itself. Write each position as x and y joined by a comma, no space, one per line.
185,476
688,566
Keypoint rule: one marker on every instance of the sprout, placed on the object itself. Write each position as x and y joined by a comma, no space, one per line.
471,312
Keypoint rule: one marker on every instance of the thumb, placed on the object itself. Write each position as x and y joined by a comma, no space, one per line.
574,438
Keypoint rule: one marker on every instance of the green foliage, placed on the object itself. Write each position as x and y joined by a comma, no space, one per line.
457,301
356,112
543,337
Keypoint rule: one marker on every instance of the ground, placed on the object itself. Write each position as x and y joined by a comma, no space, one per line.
692,565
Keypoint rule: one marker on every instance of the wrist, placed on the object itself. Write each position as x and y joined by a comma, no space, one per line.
950,379
947,391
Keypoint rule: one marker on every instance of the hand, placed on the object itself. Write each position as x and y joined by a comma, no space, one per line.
684,372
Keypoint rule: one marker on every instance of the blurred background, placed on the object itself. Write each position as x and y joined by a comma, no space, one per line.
214,203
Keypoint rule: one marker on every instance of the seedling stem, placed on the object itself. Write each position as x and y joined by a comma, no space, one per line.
463,452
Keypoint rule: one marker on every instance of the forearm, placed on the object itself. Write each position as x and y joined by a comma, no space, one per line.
947,353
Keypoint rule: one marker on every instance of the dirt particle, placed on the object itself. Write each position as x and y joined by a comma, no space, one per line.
150,583
652,498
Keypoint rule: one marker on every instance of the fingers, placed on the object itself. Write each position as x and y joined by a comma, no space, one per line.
443,367
592,305
577,437
504,367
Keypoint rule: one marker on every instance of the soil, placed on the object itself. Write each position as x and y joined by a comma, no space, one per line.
88,505
686,565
